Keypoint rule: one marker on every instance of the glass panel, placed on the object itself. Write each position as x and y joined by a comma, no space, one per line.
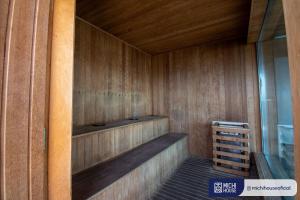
275,94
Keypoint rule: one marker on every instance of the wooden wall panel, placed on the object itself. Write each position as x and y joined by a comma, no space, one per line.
95,147
142,182
205,83
292,21
160,76
61,93
112,80
23,70
252,94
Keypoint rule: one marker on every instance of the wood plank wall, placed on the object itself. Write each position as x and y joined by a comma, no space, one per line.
193,86
196,85
92,148
23,89
112,80
144,181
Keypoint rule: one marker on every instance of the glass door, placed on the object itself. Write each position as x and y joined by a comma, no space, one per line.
275,93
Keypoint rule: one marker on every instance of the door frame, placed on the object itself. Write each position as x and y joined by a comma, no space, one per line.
292,23
60,103
61,89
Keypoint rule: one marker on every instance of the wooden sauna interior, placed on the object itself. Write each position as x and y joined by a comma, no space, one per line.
147,72
108,99
154,71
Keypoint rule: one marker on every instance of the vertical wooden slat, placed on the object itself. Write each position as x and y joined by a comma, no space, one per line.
95,150
24,62
292,22
39,101
205,83
88,150
160,88
112,78
16,87
61,89
253,110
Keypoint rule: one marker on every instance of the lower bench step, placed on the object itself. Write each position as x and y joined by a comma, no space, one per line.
136,174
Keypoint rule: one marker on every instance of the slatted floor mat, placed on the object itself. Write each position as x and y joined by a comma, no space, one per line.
190,181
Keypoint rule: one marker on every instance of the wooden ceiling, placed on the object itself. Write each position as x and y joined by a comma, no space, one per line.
158,26
258,9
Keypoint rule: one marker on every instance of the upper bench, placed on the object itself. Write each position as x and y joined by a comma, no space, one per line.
94,144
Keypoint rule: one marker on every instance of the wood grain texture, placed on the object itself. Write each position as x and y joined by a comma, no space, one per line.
233,139
142,182
112,80
257,14
160,76
23,70
292,20
234,147
4,14
232,163
252,93
224,159
231,130
96,147
206,83
164,25
61,92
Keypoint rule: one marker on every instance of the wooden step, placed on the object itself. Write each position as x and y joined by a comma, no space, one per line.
231,130
231,163
137,172
91,148
231,155
232,139
234,147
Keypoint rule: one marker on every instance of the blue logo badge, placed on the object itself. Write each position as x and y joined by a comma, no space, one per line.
225,187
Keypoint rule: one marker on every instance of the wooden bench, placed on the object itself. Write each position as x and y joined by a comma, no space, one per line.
100,144
136,174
